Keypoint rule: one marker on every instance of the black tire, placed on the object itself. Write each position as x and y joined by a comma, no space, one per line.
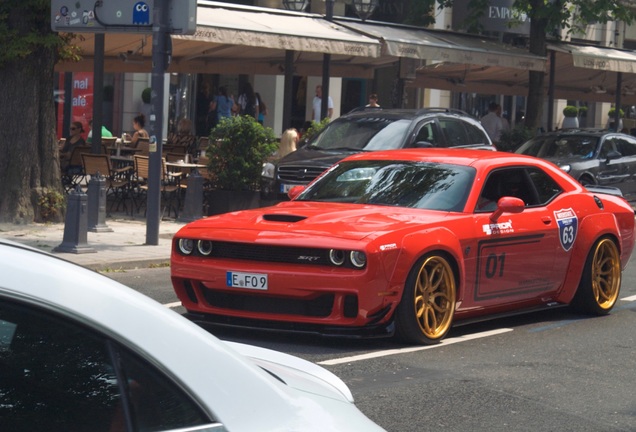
425,314
601,279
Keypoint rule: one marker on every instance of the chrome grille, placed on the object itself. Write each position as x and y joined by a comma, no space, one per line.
298,174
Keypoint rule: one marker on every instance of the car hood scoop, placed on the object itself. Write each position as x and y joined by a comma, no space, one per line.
287,218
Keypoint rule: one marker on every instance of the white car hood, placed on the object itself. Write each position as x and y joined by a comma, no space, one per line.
296,372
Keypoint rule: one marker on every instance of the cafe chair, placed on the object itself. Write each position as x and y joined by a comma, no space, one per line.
169,183
143,146
118,180
74,173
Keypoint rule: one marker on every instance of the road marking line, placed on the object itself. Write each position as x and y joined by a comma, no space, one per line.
630,298
442,344
173,305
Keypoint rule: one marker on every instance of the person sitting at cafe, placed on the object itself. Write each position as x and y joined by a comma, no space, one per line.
105,132
139,122
73,141
184,137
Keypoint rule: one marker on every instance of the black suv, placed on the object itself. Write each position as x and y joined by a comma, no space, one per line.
370,130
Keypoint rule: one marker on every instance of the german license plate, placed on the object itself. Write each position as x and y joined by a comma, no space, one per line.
256,281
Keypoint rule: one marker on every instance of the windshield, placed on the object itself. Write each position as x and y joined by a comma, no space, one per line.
362,134
561,147
421,185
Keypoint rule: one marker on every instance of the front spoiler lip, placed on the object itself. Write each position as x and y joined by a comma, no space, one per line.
206,321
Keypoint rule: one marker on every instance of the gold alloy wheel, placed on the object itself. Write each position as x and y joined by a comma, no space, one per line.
434,298
606,274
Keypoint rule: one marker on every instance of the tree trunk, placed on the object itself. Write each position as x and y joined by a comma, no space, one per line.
28,145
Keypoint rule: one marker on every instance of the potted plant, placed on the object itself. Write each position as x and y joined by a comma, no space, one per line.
238,148
570,117
611,120
146,95
146,99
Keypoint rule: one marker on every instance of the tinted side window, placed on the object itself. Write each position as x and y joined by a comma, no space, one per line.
532,185
475,135
455,132
607,147
58,375
626,147
428,133
546,188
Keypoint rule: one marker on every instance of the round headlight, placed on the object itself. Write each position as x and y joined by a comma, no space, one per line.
358,259
336,257
186,246
205,247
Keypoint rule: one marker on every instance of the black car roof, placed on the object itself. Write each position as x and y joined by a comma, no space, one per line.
588,132
399,113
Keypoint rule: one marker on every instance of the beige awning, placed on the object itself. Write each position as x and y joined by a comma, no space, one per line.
598,58
586,73
234,39
279,30
443,46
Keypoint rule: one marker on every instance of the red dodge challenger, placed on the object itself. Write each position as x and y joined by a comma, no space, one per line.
408,243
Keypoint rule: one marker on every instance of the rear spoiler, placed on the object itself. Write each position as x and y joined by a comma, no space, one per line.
607,190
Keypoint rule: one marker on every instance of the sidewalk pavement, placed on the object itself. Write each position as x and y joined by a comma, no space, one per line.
123,248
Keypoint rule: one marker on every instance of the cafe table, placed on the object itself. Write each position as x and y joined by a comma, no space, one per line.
122,150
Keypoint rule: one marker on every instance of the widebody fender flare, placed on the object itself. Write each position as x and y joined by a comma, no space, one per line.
591,228
418,244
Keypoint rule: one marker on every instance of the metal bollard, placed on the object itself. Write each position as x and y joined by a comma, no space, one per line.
75,225
97,204
193,206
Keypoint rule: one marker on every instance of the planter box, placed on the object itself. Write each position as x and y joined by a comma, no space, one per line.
220,201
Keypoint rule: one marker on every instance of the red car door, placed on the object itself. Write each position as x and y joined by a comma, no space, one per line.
519,256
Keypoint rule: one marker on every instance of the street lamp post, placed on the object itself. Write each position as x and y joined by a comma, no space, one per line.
364,8
295,5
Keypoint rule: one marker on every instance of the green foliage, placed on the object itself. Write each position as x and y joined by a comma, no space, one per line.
511,139
51,205
570,111
572,15
583,111
25,27
421,13
238,148
146,95
315,128
612,112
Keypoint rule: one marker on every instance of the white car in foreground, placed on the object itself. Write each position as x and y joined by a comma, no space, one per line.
81,352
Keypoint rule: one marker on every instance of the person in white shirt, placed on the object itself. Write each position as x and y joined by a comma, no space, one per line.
492,123
317,105
505,125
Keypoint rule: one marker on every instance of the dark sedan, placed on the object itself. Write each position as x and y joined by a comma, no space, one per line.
591,156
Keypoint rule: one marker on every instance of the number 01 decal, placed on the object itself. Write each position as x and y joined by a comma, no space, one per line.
495,265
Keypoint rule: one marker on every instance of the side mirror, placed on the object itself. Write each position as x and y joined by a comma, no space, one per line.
295,191
423,144
508,204
613,155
